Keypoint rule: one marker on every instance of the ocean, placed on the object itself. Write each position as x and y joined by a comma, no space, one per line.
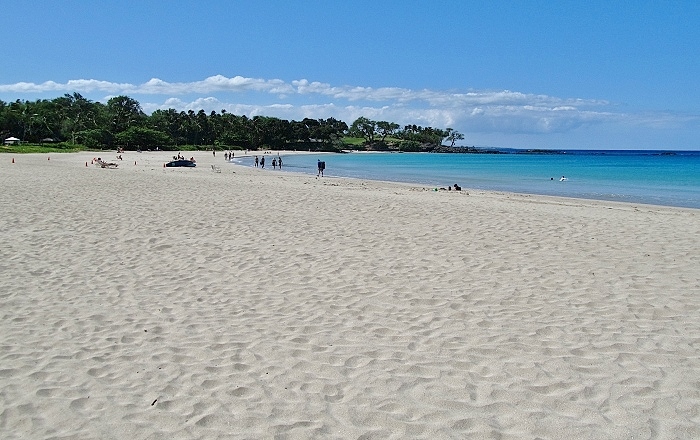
648,177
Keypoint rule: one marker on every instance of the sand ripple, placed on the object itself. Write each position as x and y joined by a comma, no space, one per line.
142,303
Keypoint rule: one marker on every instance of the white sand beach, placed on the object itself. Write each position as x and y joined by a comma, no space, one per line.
151,303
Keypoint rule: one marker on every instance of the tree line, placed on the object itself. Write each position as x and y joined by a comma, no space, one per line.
121,123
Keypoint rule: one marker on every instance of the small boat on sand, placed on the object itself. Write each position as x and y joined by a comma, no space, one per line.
181,163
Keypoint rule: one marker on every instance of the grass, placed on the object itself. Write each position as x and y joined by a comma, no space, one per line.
354,141
37,148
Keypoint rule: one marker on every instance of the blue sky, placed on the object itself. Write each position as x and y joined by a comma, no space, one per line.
522,74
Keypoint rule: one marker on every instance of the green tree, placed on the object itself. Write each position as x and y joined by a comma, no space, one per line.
168,122
300,131
204,134
385,129
453,136
17,119
93,138
364,128
123,113
74,113
142,137
331,130
313,128
236,130
122,121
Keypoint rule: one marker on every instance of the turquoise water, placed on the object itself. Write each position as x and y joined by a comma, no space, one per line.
651,177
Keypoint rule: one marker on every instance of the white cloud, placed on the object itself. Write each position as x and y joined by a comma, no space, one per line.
238,84
483,111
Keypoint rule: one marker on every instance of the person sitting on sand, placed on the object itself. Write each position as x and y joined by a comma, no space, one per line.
457,187
102,164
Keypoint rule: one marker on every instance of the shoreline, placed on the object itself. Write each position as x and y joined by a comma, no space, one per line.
143,302
514,193
205,159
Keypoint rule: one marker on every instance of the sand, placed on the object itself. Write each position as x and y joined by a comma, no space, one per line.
147,303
